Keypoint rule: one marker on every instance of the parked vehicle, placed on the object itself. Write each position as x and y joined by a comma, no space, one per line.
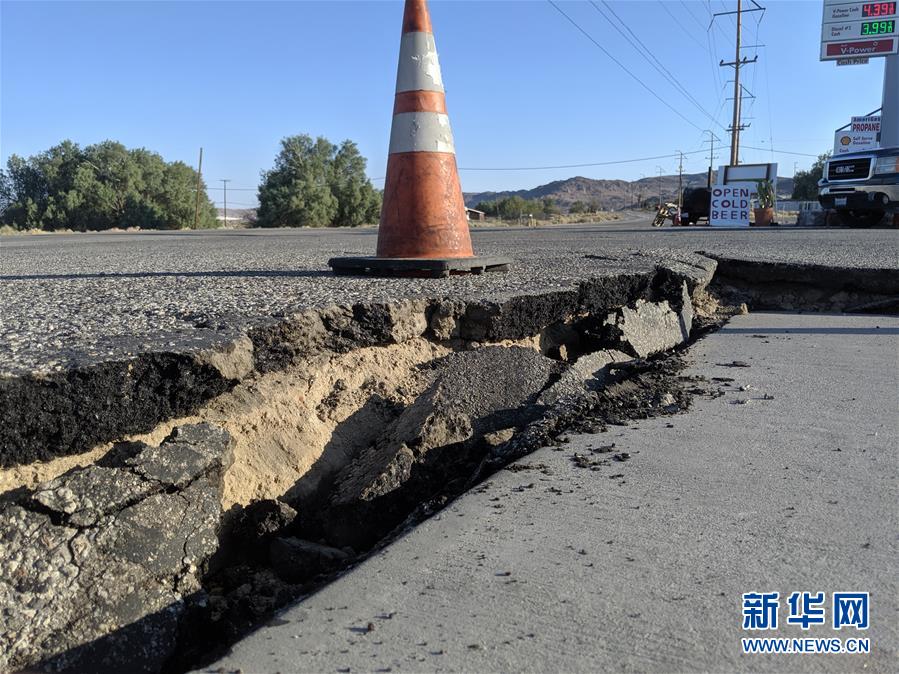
862,186
667,211
696,204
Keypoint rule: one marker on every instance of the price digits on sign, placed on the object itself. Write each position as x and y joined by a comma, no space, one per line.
878,9
878,27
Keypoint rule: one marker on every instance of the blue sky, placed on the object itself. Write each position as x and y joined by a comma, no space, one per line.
524,87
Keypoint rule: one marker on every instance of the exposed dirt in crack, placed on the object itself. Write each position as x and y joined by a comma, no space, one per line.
251,587
282,421
796,287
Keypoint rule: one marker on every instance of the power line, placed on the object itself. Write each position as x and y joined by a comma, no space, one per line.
755,68
690,12
564,166
713,49
768,149
651,58
768,101
621,65
587,165
682,26
712,24
724,5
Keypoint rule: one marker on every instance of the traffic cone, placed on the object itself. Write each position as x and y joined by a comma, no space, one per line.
424,228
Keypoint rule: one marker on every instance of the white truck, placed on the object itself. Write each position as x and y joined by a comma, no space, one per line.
863,186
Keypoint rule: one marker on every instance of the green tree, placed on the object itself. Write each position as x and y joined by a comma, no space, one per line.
357,201
297,191
513,207
99,187
490,208
578,207
550,207
317,184
805,183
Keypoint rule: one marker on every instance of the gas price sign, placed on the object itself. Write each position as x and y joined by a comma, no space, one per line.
879,27
872,10
853,30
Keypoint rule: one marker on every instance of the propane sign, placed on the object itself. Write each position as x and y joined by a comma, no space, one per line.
730,205
863,134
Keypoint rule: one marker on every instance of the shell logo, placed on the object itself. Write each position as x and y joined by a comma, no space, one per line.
845,140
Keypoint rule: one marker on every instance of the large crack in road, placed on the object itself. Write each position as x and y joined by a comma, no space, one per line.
349,425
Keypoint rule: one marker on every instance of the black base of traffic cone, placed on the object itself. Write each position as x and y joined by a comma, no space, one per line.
422,267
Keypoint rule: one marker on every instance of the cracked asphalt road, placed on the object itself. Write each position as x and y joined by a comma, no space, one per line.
640,565
78,299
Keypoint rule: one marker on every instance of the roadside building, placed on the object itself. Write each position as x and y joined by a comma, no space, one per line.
474,214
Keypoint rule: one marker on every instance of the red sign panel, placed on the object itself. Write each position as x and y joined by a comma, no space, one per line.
861,48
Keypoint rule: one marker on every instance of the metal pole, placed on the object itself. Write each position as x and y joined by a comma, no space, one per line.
660,186
735,128
199,179
680,182
889,115
225,182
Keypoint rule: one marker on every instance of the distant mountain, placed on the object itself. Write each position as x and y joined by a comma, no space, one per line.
609,194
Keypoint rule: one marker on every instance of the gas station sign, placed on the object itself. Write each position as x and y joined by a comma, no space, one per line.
852,30
856,11
863,133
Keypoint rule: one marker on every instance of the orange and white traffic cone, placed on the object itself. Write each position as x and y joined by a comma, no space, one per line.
424,228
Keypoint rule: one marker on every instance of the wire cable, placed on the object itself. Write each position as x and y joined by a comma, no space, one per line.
621,65
563,166
714,24
651,58
682,27
768,149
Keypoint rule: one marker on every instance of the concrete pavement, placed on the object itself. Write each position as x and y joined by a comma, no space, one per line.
785,482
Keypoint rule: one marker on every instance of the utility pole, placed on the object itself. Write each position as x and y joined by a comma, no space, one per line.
737,63
711,141
199,182
225,182
738,95
660,185
680,183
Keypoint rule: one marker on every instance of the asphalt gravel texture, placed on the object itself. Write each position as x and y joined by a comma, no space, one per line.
78,299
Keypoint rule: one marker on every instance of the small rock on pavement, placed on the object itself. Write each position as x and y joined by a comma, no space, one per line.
295,560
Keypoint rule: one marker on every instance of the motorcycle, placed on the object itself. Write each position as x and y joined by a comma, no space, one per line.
667,211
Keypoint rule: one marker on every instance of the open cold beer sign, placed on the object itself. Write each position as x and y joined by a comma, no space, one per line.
730,205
